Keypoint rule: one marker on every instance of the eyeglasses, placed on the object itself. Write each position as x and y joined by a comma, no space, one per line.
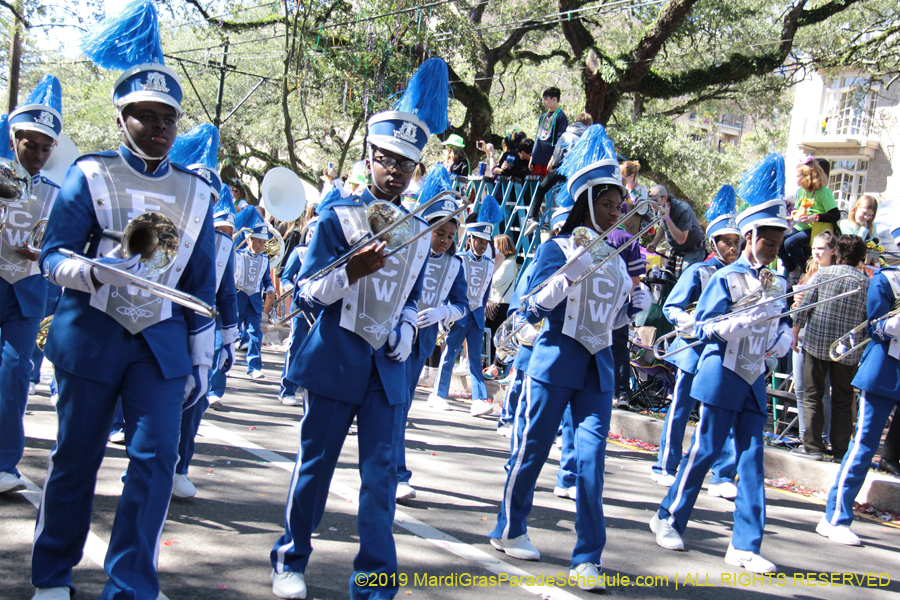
389,162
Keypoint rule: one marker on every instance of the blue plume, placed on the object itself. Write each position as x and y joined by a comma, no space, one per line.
48,92
593,145
333,194
130,39
426,95
562,197
490,211
764,181
226,202
436,181
198,145
5,152
722,204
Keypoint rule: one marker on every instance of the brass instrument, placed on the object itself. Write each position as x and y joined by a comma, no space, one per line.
42,332
443,331
839,349
15,186
661,347
512,343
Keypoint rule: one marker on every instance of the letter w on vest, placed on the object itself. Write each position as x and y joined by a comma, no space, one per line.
383,290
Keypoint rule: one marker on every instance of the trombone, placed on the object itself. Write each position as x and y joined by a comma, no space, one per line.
155,238
588,241
839,348
661,347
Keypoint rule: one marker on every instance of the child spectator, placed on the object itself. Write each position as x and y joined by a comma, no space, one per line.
551,125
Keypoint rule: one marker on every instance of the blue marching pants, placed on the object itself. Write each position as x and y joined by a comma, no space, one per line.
322,433
475,337
217,377
17,340
709,438
874,411
537,420
152,406
414,366
513,394
670,440
250,322
37,357
299,329
568,465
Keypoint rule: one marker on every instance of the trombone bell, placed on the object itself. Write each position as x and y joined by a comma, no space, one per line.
380,215
155,238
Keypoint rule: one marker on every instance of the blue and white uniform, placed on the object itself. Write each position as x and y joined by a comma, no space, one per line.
253,281
878,380
478,273
570,366
344,366
299,324
520,364
23,296
147,347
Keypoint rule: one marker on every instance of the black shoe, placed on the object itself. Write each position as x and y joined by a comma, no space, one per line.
802,453
889,467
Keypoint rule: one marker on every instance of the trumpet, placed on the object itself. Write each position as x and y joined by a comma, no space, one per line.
588,241
661,347
840,348
155,238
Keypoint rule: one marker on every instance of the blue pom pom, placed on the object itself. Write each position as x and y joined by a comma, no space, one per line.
490,211
199,145
437,180
48,92
764,181
592,146
722,204
426,95
5,152
129,39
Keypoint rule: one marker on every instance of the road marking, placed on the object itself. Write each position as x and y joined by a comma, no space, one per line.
411,524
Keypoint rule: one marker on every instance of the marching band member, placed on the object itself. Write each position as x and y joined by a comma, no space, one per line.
478,265
199,149
730,385
352,362
725,240
878,380
299,324
443,299
571,363
33,130
109,340
252,279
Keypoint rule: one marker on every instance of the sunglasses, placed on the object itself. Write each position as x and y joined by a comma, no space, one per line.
389,162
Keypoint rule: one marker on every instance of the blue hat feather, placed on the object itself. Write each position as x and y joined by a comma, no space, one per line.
199,145
592,146
562,199
427,95
129,39
5,152
226,198
722,204
490,211
764,181
48,92
437,180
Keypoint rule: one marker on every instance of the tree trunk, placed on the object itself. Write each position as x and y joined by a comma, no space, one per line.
15,55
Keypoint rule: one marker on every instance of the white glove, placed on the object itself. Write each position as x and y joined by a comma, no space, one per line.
892,327
528,334
553,293
430,316
779,343
734,328
683,320
195,386
641,299
578,267
226,357
131,265
73,274
400,341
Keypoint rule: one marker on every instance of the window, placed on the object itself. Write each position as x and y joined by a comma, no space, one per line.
847,180
849,106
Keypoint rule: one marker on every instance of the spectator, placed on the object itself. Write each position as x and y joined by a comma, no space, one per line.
890,452
825,324
551,125
454,159
329,177
518,167
239,194
861,218
510,145
503,284
636,193
681,228
814,204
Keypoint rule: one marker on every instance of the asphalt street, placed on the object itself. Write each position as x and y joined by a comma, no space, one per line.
216,545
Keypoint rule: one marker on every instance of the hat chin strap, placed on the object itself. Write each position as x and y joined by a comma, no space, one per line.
753,240
133,146
591,211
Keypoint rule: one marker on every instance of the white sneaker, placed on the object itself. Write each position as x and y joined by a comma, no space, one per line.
520,547
289,585
498,409
405,491
32,388
426,378
666,535
462,368
290,401
726,490
242,346
588,578
437,403
749,560
559,442
481,407
117,437
10,482
57,593
505,430
183,488
563,492
840,534
257,375
215,402
54,399
663,479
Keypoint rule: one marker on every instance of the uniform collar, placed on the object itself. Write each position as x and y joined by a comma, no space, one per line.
36,179
137,163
